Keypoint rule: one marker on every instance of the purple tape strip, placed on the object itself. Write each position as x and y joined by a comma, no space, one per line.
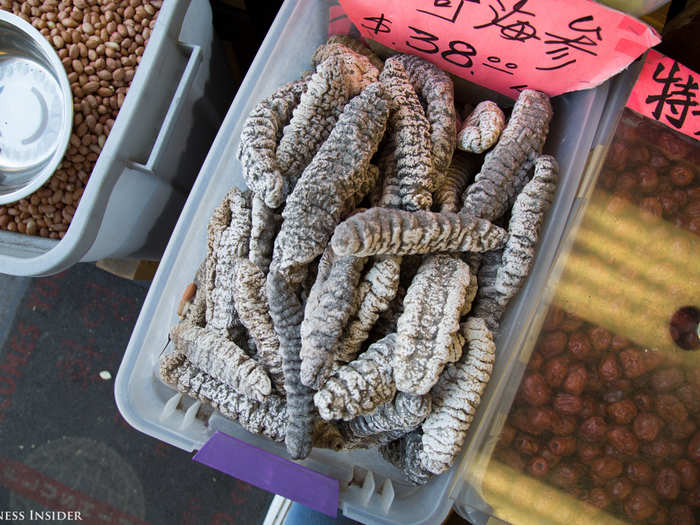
270,472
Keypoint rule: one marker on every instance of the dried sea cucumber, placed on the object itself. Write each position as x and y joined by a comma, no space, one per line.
376,290
360,386
448,197
390,421
221,358
432,308
398,232
267,416
485,303
251,303
328,308
329,89
228,239
505,167
265,223
481,128
360,68
435,87
319,201
352,43
405,455
261,132
411,131
456,397
526,220
287,314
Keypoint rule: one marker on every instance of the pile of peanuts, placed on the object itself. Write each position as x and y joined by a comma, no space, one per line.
100,43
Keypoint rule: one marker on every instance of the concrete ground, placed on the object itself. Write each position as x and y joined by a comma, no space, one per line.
63,444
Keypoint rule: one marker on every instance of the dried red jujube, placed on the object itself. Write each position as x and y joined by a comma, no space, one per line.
667,484
507,435
609,368
535,362
688,473
598,498
552,343
526,444
562,445
641,504
566,474
567,404
575,381
592,429
588,451
555,370
606,467
563,425
538,467
681,175
632,363
648,179
600,338
619,488
534,390
579,346
623,440
622,412
647,426
670,408
694,448
639,472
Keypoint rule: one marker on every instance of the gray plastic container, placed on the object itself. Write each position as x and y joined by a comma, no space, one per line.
371,490
159,140
517,341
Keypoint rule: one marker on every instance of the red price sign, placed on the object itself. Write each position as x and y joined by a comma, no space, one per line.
509,45
667,91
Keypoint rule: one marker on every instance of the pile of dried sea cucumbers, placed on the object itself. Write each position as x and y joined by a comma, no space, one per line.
349,297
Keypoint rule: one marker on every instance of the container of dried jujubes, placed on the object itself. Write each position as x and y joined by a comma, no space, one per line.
350,296
608,411
100,44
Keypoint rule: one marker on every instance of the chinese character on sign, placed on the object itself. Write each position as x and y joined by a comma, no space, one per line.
447,9
518,30
677,96
564,45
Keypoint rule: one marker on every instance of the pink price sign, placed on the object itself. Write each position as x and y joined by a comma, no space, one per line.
508,45
667,91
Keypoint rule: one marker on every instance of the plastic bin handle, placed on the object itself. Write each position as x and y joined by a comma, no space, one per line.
270,472
179,97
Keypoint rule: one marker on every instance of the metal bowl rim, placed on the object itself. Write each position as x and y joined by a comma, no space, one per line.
62,78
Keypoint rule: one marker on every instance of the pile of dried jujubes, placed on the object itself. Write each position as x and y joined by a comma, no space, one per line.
338,303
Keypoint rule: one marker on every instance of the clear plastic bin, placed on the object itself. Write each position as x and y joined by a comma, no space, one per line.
371,490
603,426
163,131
